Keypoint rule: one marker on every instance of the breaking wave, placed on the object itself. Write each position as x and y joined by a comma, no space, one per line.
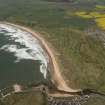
28,46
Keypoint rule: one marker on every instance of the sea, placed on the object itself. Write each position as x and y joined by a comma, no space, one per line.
23,60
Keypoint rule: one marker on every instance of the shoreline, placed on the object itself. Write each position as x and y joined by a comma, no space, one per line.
56,76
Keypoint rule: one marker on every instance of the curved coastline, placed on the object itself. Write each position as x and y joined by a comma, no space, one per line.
56,76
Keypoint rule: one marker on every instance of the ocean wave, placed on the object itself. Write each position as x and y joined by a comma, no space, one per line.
32,48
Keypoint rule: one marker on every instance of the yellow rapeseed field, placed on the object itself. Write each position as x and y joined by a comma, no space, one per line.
101,22
98,16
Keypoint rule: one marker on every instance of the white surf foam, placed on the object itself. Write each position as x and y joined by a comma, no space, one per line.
31,50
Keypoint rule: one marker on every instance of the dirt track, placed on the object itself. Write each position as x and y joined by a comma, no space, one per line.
57,78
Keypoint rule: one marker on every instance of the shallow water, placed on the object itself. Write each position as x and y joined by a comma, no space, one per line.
22,58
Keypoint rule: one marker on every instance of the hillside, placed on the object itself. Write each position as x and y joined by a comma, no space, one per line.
81,55
75,29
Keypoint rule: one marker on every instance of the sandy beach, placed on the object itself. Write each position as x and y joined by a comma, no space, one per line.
56,76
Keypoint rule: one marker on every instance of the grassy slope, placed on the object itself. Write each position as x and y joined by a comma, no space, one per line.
82,57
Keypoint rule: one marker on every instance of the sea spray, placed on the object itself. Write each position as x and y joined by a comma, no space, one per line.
31,49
